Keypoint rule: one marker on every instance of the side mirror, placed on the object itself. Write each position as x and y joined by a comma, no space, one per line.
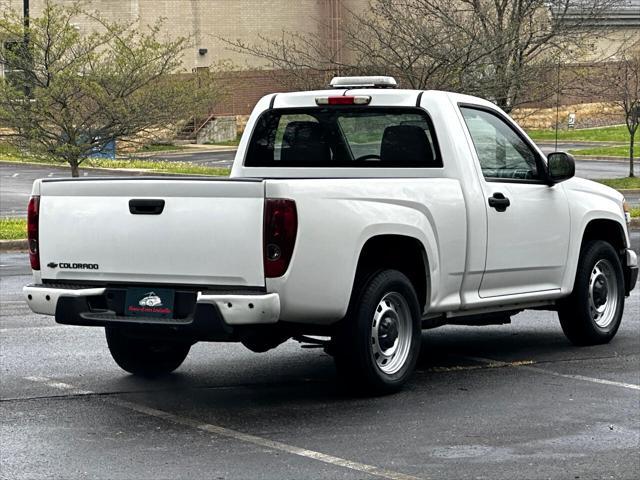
561,166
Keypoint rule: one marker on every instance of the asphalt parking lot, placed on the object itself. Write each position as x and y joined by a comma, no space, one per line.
512,401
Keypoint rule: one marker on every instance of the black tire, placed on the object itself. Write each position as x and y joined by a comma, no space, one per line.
365,331
145,357
578,313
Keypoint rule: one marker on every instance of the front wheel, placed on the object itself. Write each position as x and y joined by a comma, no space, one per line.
378,343
145,357
592,313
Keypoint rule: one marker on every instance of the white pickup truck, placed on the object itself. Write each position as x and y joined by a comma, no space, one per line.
354,218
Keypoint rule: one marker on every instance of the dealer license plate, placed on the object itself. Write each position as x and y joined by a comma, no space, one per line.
149,302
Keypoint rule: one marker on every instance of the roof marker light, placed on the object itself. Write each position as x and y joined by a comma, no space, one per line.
344,100
363,82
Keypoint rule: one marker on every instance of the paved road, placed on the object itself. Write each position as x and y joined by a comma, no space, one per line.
16,179
67,411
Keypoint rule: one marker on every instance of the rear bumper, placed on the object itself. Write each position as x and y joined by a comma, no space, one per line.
44,299
96,307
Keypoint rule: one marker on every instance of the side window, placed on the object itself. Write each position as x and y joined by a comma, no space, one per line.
502,153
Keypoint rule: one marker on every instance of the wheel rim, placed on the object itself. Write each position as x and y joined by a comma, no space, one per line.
391,333
603,293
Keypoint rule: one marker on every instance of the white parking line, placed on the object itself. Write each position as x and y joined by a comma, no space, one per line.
262,442
521,366
234,434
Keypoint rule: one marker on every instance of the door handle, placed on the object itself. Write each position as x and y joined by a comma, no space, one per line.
146,206
499,202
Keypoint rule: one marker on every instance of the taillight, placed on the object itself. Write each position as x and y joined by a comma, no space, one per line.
280,229
33,212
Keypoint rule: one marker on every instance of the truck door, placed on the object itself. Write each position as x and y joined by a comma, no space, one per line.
528,224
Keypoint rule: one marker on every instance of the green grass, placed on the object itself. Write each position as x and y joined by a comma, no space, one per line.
635,212
182,168
9,151
622,183
157,167
227,143
603,151
13,228
603,134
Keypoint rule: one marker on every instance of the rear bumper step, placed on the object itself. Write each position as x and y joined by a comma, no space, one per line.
630,270
77,306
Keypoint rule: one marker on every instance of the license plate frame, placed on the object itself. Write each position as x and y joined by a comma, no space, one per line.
149,302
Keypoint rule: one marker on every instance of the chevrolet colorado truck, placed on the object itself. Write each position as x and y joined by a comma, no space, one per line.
353,218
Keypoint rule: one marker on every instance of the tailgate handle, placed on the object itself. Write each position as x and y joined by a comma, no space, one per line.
146,206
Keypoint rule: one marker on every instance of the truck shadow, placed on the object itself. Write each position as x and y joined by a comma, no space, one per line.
452,346
303,386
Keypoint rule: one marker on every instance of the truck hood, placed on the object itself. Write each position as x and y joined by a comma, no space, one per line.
583,185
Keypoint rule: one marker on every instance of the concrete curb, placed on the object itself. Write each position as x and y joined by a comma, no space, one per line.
14,245
212,148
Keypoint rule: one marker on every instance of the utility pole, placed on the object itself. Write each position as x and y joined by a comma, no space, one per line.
26,51
25,12
557,102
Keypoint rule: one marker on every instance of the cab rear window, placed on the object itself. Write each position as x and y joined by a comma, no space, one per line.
367,137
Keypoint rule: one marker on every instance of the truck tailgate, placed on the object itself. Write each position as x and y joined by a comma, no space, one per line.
209,231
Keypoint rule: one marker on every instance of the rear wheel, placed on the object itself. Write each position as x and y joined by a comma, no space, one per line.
379,341
146,357
591,315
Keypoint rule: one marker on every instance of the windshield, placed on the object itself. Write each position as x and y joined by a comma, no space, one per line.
344,137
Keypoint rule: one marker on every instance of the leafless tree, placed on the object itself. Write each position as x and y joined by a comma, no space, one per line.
497,49
522,39
615,80
392,37
627,83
